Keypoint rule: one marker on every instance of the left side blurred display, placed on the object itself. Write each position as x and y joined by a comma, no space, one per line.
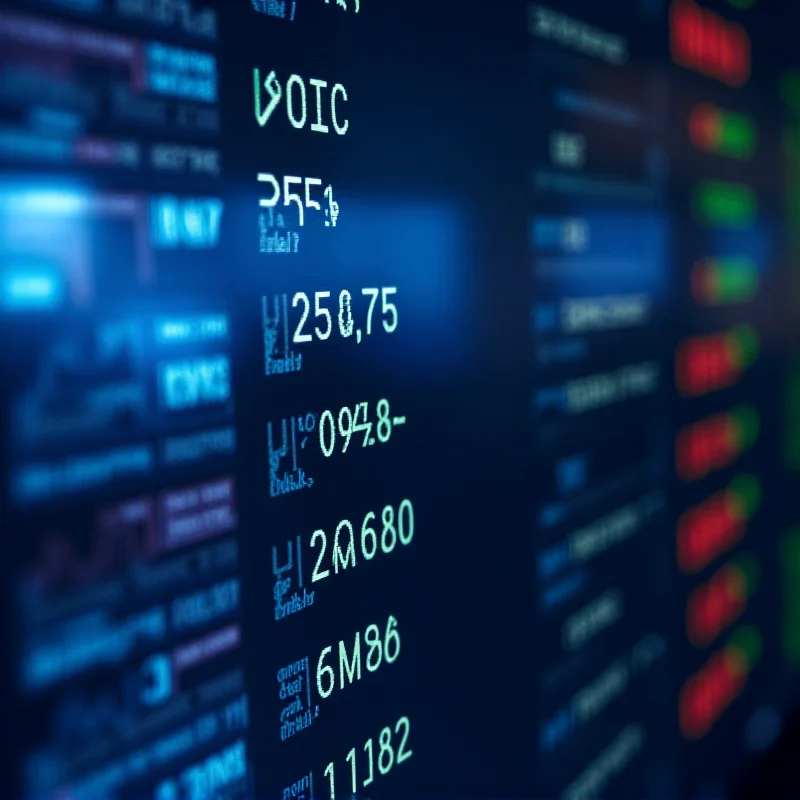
122,500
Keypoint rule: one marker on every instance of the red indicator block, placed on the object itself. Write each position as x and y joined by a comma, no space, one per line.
717,604
715,442
717,525
708,363
705,127
705,42
706,696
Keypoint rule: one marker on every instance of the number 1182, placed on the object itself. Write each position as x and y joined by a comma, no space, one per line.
379,758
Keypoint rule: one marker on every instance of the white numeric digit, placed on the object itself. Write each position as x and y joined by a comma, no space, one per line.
290,197
373,293
309,202
266,177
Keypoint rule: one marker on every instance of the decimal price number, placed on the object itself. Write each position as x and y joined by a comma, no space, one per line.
380,649
291,197
347,423
379,758
346,322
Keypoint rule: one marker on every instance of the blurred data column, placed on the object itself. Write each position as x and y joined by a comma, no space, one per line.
599,242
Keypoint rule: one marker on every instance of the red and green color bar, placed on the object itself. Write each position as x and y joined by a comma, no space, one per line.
721,601
705,364
717,525
708,693
725,281
715,442
722,133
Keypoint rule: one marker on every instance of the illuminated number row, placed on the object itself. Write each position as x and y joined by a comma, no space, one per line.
380,649
297,112
348,424
345,317
290,197
387,758
396,527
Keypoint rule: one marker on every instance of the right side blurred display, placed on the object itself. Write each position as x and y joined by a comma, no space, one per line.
665,239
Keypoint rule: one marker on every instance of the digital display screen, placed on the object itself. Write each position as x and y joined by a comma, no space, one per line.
399,400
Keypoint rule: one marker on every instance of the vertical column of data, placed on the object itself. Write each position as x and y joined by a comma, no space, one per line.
789,552
121,512
334,512
599,242
790,91
724,268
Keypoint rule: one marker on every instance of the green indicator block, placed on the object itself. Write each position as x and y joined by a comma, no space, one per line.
726,280
747,342
748,425
723,132
720,204
743,5
739,136
737,279
747,642
747,489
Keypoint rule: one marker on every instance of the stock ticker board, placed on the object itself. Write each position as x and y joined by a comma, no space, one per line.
400,399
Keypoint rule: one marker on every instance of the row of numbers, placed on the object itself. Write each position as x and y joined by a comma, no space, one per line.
397,527
348,424
290,197
363,769
346,323
380,649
